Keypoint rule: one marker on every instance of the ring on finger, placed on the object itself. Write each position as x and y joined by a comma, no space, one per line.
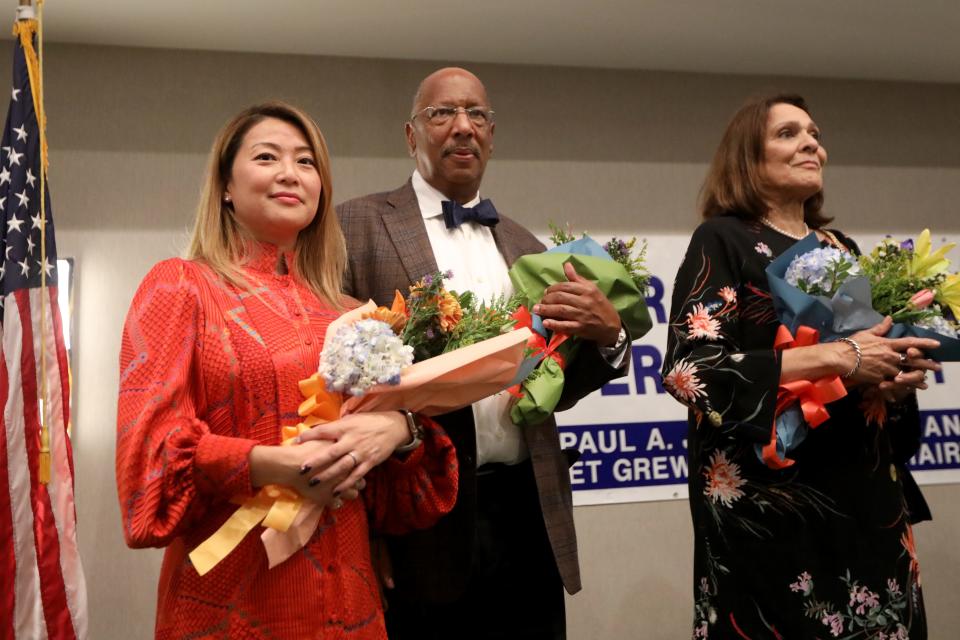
903,360
336,503
355,461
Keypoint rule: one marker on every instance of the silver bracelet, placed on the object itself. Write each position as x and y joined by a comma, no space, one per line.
858,351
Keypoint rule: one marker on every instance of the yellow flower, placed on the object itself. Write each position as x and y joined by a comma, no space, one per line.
450,312
948,293
924,263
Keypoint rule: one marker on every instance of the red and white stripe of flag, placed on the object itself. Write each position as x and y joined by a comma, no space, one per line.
42,588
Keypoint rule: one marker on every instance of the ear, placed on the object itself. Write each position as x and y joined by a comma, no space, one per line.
493,128
411,139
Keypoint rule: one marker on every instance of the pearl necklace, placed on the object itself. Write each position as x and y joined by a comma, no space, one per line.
806,230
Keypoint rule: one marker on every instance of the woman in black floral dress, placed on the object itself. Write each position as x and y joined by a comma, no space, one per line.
822,548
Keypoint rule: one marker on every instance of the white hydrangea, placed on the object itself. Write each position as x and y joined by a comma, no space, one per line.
362,355
939,324
813,271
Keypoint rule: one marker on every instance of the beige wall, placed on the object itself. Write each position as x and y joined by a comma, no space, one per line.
616,151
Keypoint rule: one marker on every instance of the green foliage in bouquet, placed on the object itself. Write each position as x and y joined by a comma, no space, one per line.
894,283
620,250
439,321
562,235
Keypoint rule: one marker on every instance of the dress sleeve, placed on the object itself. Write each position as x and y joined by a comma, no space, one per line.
170,467
410,493
707,365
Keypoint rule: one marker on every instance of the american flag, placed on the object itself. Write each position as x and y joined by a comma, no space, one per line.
42,589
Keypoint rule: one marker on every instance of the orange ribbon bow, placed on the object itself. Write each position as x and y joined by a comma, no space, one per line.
813,395
537,344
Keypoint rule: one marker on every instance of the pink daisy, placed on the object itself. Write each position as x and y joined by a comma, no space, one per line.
723,480
729,294
683,381
701,324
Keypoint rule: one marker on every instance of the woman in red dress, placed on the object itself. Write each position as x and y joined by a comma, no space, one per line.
213,348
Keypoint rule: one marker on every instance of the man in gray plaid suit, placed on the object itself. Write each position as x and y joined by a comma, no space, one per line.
496,566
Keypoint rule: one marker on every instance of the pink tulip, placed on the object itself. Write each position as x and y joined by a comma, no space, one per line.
922,299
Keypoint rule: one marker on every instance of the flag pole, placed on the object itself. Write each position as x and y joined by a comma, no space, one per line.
25,13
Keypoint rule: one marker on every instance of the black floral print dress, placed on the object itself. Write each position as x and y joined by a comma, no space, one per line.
822,548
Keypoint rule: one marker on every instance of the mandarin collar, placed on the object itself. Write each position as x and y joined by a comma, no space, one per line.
263,258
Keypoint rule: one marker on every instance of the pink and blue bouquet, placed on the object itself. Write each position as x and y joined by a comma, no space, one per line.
837,293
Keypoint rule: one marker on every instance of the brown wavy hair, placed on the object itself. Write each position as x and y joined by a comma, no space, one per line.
221,242
734,186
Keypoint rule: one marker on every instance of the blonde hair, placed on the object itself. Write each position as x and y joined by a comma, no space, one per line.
219,241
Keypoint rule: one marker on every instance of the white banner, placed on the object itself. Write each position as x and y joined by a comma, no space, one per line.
632,435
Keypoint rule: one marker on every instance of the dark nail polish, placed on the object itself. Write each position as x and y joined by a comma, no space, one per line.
314,482
336,494
304,469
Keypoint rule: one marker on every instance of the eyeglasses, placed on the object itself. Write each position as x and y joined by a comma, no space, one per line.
442,114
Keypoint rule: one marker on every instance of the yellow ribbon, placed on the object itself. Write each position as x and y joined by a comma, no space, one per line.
275,506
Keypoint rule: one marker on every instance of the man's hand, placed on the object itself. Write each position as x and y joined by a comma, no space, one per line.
578,308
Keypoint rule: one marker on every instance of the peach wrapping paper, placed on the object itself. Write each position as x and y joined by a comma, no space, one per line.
441,384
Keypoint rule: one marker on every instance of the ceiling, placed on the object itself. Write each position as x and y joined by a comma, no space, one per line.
916,40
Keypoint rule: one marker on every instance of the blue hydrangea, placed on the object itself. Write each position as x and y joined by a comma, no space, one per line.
362,355
821,271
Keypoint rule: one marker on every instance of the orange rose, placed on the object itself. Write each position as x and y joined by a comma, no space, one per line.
450,312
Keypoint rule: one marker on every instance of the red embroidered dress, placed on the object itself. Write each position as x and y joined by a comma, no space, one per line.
207,371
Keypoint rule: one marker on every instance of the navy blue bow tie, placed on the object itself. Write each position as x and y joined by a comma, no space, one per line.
455,214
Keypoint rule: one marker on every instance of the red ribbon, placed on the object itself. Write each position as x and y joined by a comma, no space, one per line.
813,395
537,343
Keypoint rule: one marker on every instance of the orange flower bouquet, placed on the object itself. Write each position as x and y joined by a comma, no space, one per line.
462,352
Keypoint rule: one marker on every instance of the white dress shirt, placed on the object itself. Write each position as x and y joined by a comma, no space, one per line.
471,253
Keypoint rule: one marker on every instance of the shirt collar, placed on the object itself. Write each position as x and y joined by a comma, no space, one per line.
263,257
430,198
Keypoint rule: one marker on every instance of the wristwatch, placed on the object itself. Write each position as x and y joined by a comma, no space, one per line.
616,346
416,433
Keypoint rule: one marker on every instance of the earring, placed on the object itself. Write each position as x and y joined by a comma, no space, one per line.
227,199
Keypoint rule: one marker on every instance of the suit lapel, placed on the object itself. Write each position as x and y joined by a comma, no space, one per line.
404,224
509,249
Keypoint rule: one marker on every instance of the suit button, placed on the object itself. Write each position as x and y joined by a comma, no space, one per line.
468,459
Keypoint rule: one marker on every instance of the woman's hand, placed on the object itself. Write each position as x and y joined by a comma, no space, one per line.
884,359
361,441
284,465
911,377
